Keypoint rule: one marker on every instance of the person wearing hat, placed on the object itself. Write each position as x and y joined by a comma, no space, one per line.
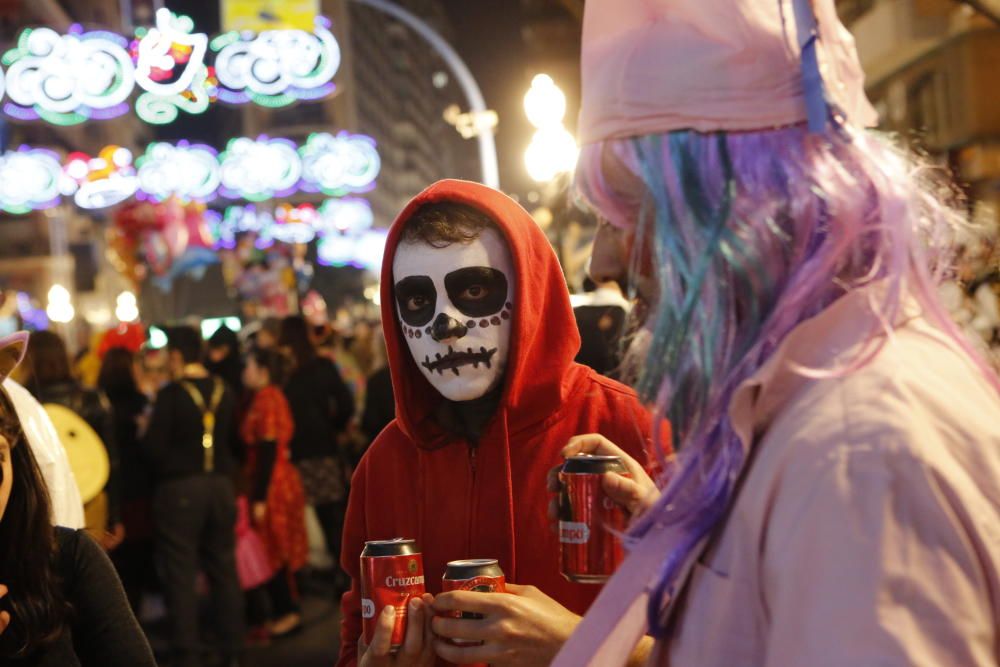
60,600
836,497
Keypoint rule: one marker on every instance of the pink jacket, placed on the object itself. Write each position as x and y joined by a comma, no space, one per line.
867,527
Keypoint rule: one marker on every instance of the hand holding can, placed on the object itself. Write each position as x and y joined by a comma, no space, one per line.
479,575
590,522
392,572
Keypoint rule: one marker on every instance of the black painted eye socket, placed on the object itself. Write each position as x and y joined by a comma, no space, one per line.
416,298
477,291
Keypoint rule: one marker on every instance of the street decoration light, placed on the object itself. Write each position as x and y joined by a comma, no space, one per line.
338,165
347,218
189,171
553,149
276,67
170,68
251,169
67,79
60,307
259,169
29,180
126,308
102,181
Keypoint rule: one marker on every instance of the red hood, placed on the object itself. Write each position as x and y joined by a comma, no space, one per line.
544,339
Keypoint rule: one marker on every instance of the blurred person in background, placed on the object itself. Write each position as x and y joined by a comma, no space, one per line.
191,448
134,557
153,372
275,490
322,406
60,601
50,381
379,405
223,359
267,335
601,321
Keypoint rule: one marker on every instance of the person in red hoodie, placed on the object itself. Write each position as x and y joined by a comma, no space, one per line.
481,339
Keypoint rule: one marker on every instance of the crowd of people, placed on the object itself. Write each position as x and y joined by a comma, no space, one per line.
215,449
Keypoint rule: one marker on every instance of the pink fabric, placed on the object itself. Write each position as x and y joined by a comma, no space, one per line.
866,530
653,66
12,350
253,565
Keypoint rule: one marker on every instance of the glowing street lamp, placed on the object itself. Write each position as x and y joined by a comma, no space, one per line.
553,149
544,103
59,308
126,308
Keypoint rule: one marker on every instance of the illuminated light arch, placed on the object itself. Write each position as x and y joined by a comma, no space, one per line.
259,169
349,215
276,67
339,165
67,79
189,171
364,251
102,181
170,67
29,180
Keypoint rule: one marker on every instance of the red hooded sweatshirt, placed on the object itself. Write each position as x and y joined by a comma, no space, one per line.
489,501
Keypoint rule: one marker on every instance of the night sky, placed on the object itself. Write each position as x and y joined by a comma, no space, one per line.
487,36
486,33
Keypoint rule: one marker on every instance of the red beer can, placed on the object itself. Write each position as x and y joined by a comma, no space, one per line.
590,551
482,575
392,572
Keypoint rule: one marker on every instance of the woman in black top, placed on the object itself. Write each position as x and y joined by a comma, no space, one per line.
321,407
134,557
61,604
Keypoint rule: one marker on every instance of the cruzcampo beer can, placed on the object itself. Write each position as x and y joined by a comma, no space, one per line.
481,575
392,572
589,549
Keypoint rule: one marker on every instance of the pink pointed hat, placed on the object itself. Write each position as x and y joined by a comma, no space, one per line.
653,66
12,349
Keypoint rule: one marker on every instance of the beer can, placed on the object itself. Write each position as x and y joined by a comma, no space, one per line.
481,575
392,572
589,549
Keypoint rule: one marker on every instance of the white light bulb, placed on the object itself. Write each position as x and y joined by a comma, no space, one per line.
544,103
126,309
552,151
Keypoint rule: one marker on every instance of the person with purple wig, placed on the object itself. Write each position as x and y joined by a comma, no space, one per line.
836,495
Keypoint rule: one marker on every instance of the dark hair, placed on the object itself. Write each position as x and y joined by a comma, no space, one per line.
47,359
37,607
272,361
116,371
295,337
187,341
225,337
443,223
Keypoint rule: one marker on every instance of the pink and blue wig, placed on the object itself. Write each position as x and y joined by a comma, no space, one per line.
749,234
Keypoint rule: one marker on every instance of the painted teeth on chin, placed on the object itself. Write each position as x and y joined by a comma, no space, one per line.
455,370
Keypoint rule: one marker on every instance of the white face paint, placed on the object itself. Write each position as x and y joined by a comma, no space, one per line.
455,307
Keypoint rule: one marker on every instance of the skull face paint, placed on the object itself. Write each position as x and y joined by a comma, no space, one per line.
455,307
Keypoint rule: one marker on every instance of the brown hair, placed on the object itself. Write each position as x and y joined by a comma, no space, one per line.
443,223
48,360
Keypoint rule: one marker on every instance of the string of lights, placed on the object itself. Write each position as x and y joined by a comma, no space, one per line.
248,169
82,75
